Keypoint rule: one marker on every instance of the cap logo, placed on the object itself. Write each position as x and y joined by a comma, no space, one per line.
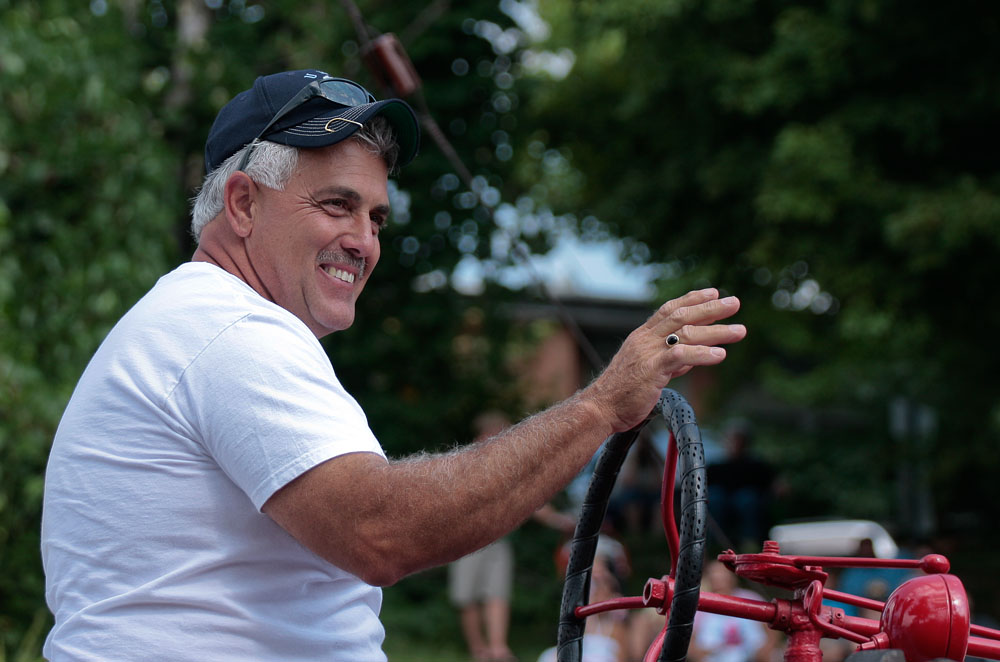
340,119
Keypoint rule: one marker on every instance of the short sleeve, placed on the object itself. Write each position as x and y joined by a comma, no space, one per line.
265,403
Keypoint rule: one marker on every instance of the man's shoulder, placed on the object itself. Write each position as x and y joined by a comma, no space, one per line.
201,283
199,294
199,311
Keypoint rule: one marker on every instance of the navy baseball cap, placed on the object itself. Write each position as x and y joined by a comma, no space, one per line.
311,124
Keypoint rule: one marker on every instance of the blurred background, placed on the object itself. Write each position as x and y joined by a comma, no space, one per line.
834,163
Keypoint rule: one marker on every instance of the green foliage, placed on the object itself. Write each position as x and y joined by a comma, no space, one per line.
830,162
87,212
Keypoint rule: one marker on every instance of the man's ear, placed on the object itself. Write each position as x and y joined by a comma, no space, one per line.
238,199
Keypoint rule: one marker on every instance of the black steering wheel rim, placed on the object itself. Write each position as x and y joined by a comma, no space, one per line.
680,420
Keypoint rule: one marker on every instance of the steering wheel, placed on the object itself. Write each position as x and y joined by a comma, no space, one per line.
686,549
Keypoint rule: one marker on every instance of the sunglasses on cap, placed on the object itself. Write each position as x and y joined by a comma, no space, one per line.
340,91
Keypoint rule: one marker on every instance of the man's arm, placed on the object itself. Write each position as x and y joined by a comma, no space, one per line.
382,521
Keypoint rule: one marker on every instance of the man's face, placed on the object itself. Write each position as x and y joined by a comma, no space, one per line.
314,245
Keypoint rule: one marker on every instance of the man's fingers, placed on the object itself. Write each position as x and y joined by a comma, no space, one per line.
681,358
690,299
698,346
714,334
703,313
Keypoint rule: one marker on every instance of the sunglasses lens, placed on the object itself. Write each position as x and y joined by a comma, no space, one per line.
346,94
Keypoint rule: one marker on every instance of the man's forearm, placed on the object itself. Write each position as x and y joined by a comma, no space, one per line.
445,506
494,485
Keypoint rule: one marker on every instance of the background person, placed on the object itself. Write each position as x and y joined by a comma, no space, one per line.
741,488
480,583
720,638
605,636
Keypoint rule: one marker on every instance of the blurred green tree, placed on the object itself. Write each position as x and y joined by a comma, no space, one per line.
833,163
88,206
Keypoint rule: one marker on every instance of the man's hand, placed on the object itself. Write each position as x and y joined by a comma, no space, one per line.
629,387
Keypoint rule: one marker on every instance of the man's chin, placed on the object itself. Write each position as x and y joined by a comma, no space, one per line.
336,323
327,315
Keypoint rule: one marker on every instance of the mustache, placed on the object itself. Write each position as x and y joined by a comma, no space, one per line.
342,258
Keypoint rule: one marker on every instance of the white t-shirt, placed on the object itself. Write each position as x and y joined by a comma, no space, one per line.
201,403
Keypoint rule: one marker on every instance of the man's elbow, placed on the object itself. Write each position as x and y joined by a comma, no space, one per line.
381,577
370,553
379,569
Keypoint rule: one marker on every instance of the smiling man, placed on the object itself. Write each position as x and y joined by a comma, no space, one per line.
213,492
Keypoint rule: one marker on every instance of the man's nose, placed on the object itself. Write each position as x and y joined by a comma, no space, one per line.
361,238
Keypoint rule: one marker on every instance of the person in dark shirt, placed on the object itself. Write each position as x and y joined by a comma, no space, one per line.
740,489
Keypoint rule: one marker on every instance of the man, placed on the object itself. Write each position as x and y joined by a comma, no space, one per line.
213,493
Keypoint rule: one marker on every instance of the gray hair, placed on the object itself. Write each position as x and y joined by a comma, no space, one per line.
272,165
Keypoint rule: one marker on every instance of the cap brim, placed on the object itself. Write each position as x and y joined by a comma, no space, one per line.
332,125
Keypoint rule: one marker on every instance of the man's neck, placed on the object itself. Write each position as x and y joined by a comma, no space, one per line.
218,246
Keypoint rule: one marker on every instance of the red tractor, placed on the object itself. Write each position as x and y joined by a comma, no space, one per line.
925,618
